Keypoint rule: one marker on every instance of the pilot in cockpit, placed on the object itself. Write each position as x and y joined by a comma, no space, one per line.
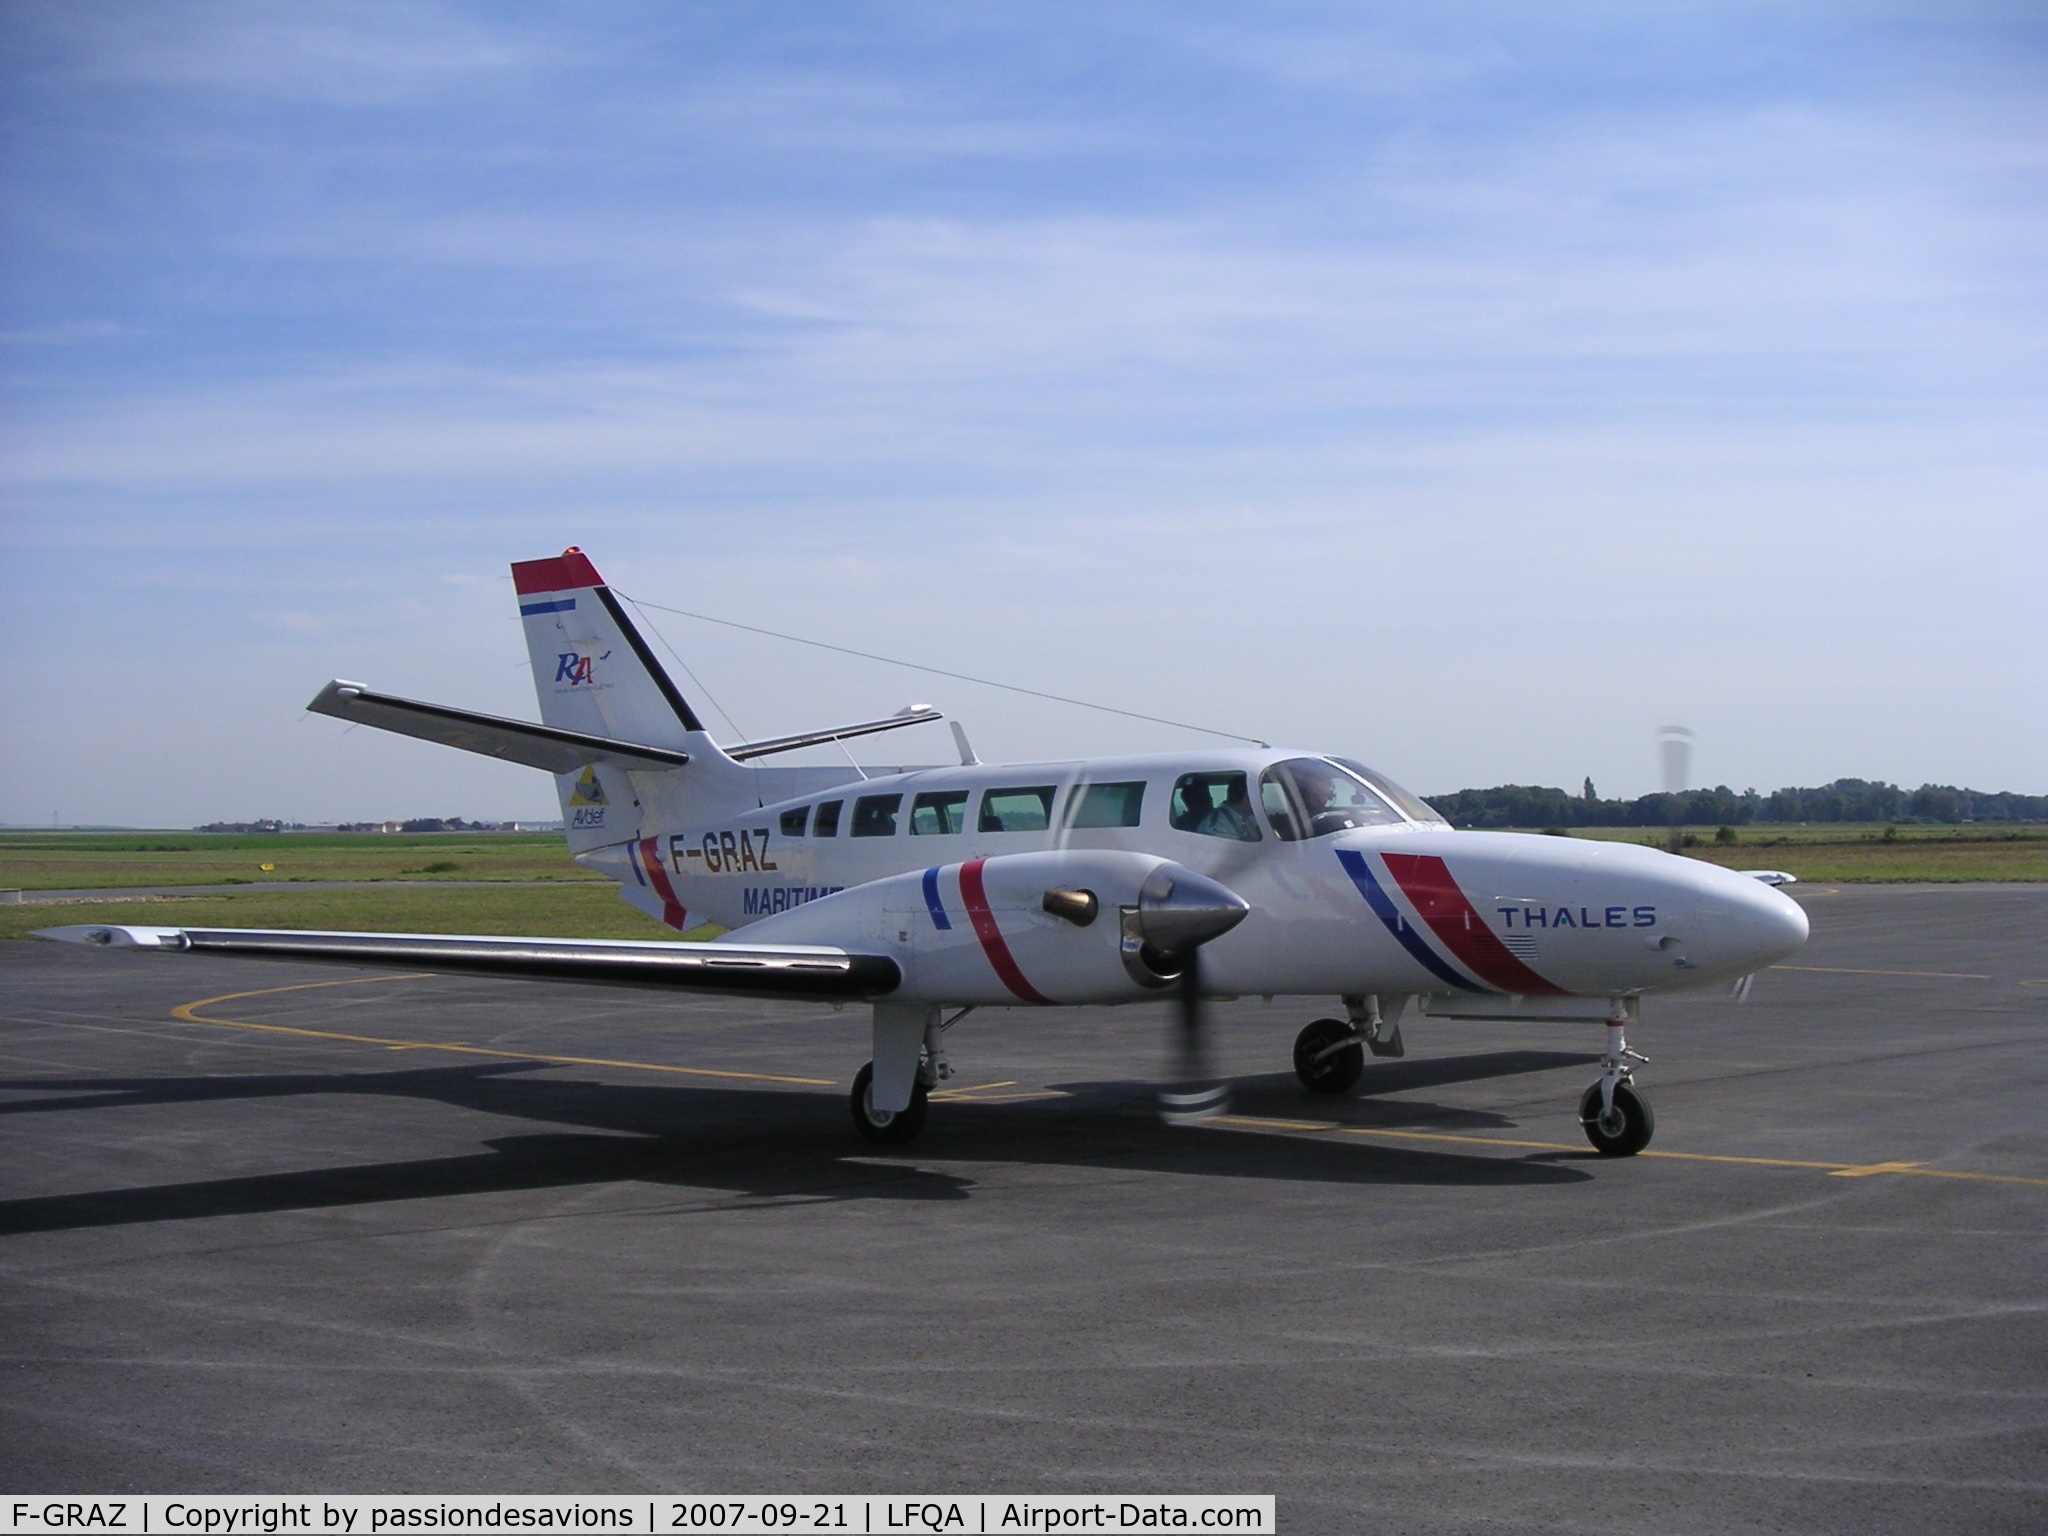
1317,787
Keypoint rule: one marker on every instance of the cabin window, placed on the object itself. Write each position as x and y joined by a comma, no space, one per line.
1106,805
793,821
1314,799
1017,810
1413,806
938,811
875,815
827,824
1214,805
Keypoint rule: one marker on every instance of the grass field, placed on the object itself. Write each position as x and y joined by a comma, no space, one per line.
579,906
57,861
580,911
1852,853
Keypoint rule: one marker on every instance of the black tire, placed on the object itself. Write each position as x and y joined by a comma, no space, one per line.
887,1130
1628,1131
1337,1072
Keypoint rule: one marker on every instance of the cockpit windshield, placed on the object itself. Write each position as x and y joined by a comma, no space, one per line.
1414,807
1306,797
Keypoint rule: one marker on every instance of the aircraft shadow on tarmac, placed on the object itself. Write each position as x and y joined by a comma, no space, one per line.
775,1144
1278,1095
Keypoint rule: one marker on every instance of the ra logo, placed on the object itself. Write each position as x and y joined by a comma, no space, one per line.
572,667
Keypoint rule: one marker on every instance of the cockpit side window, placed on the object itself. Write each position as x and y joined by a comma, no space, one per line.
1280,811
827,824
1414,807
1214,805
1320,799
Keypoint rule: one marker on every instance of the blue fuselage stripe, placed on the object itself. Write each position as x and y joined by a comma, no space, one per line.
1385,910
932,903
560,605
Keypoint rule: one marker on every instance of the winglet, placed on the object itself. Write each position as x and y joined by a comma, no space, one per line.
106,937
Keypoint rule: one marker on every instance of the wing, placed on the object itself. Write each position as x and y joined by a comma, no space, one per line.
514,741
779,970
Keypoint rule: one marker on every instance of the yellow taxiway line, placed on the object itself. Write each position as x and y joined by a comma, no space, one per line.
1838,1170
981,1094
189,1014
1845,970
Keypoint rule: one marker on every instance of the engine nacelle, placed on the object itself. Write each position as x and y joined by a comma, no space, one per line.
1065,926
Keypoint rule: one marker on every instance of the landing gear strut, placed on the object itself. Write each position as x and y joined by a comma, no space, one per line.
910,1048
1617,1117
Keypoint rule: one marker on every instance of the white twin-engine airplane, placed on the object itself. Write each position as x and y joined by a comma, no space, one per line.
1109,880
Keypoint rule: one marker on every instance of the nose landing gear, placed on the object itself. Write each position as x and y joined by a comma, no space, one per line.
1617,1117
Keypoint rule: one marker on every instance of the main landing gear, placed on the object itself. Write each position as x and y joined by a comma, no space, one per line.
1617,1117
890,1093
1329,1055
884,1127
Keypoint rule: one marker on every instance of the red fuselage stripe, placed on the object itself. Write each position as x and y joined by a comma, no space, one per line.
672,911
1426,881
975,895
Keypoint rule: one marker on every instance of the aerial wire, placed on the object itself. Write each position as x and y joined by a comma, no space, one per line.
918,666
678,655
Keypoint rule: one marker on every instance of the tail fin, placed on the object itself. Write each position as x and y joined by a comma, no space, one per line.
595,675
592,670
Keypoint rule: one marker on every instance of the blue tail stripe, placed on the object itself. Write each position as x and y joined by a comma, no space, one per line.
1384,909
932,903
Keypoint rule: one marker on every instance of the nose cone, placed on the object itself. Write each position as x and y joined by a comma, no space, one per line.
1178,909
1771,924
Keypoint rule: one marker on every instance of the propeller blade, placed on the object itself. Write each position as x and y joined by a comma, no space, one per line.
1197,1094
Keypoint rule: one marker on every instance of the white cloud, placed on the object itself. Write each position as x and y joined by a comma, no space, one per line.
1465,405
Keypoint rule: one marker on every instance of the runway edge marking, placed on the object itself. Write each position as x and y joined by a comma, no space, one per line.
188,1013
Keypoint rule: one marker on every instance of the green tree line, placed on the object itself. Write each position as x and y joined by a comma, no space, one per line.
1533,805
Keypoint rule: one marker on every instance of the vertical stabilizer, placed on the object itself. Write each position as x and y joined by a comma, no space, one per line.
593,671
595,674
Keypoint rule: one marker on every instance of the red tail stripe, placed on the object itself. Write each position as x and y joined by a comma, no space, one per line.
975,895
1427,882
560,573
672,911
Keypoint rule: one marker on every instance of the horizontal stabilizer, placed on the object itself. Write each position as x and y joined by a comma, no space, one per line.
915,715
780,970
514,741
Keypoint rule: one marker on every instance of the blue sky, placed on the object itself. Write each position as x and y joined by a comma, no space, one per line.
1468,389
